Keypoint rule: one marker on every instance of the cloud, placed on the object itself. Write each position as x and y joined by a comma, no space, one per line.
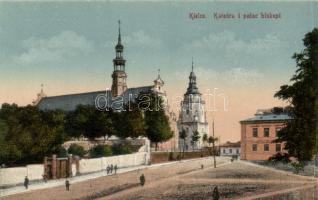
233,76
142,40
65,45
227,48
229,42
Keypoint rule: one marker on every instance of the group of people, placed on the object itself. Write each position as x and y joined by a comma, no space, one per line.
111,168
27,181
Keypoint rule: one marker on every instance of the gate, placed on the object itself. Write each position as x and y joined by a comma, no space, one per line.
55,168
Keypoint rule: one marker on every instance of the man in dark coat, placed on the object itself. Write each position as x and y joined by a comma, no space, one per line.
26,182
216,194
67,185
142,180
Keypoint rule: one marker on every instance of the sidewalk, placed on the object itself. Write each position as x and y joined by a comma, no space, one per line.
85,177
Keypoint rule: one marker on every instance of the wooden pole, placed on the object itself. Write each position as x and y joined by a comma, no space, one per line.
213,145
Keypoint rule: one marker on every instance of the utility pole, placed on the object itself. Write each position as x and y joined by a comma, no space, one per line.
213,147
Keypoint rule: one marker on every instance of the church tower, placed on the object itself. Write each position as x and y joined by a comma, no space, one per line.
192,115
119,75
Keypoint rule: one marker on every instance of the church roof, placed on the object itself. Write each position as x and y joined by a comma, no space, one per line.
69,102
192,88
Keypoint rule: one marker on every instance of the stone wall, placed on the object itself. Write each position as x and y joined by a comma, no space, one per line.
16,175
99,164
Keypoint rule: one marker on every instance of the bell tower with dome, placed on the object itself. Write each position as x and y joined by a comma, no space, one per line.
119,75
192,115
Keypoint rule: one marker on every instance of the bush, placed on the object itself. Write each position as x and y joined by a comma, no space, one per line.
62,153
77,150
298,166
280,157
100,151
121,149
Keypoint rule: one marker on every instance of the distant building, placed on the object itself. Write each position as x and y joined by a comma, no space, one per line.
115,98
258,134
192,115
230,149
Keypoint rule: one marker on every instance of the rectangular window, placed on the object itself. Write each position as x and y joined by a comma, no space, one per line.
276,130
266,147
224,151
237,151
254,147
255,132
266,132
278,147
230,150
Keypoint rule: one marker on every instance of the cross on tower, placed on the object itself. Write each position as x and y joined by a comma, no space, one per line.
192,63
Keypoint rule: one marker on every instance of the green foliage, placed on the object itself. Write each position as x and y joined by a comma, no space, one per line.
62,153
77,150
157,123
205,137
30,134
183,134
300,134
195,138
298,166
100,151
212,140
280,157
89,122
130,122
121,149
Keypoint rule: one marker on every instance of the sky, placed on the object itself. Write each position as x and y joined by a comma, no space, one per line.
69,47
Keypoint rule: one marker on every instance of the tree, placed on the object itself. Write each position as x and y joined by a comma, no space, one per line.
157,123
100,151
212,140
183,136
89,122
77,150
130,122
9,151
301,133
121,149
30,133
195,138
205,138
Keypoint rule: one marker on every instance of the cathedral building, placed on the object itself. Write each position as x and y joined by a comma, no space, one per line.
119,92
192,115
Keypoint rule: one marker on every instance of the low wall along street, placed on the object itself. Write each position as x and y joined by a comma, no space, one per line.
15,175
98,164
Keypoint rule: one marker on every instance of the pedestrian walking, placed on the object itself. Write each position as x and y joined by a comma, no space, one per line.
216,194
108,169
67,185
44,178
26,182
142,180
202,166
115,168
111,168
